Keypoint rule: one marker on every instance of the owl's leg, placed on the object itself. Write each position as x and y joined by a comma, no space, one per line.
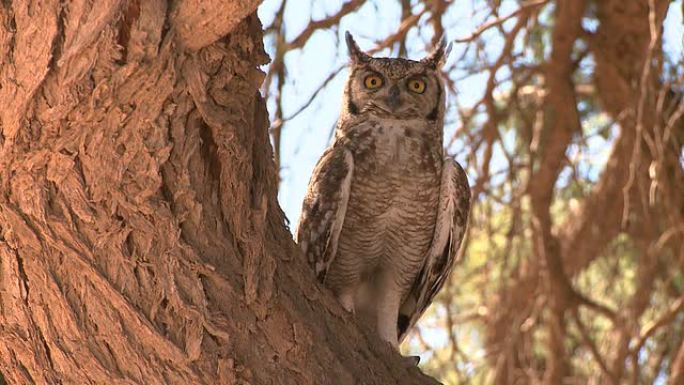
346,298
389,301
345,287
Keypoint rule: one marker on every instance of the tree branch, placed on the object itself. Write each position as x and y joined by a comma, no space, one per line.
199,23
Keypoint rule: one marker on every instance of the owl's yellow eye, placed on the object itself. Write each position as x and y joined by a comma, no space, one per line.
417,86
372,82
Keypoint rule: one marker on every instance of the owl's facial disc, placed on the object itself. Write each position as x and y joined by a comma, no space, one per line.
394,98
394,89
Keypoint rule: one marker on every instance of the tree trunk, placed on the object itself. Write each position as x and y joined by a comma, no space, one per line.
140,237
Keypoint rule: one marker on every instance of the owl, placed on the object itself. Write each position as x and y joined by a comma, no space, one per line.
386,210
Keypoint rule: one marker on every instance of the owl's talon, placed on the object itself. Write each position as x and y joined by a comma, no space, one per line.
411,360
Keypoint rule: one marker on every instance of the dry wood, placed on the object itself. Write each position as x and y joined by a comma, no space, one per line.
140,237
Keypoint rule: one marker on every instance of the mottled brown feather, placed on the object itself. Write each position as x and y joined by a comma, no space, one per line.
385,212
455,207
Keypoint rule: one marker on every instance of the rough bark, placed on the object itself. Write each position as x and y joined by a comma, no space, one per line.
140,237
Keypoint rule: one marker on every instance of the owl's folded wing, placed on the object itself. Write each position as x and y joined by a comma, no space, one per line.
324,208
452,217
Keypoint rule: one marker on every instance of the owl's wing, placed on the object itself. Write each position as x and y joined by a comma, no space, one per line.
324,208
452,217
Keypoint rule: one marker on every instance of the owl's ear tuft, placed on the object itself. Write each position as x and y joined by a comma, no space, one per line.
355,52
439,55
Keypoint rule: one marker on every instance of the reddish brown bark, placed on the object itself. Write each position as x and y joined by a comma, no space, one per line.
140,237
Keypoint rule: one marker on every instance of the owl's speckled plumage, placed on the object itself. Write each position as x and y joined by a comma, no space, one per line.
386,211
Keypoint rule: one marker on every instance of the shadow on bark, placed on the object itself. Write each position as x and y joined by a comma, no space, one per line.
140,236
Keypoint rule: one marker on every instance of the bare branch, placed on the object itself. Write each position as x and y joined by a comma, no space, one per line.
589,342
525,7
664,319
347,8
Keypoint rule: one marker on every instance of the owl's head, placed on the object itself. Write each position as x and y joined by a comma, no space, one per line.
395,88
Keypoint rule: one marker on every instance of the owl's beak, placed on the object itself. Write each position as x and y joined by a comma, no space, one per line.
394,100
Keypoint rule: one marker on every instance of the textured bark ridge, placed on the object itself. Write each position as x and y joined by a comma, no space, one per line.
140,237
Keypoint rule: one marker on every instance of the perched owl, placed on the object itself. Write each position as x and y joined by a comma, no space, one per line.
386,210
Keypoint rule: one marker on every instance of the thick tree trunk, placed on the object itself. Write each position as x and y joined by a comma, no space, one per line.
140,237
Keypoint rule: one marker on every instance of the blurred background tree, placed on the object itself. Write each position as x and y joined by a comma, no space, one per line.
568,116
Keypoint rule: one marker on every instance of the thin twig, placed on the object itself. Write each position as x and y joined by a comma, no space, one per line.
484,27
